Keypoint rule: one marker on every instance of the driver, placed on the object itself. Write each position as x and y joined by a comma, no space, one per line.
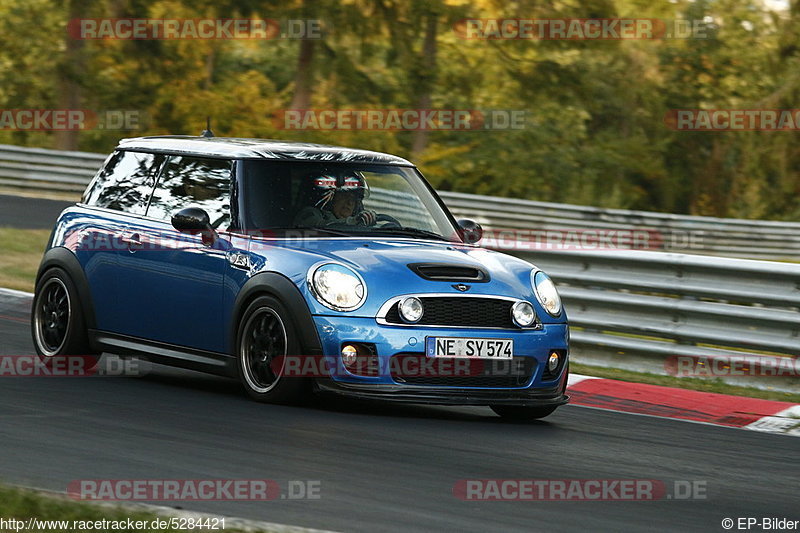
339,201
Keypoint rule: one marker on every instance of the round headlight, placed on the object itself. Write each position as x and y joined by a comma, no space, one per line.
546,293
411,309
523,314
337,287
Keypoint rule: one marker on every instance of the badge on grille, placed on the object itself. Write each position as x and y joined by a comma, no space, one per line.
461,287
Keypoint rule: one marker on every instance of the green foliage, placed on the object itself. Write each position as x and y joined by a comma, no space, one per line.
595,130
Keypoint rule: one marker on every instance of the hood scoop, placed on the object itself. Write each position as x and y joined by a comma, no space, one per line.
450,272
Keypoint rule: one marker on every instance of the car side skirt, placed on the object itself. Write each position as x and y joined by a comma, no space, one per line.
167,354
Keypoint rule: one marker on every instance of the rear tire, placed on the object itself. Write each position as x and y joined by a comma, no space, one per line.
521,413
58,325
266,336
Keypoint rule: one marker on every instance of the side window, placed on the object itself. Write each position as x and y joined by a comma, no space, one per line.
269,192
196,182
125,182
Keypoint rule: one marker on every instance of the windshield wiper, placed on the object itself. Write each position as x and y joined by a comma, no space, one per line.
310,229
328,230
414,232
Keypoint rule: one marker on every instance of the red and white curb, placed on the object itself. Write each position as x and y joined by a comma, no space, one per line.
684,404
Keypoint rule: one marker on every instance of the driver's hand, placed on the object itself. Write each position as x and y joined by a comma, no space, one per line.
367,217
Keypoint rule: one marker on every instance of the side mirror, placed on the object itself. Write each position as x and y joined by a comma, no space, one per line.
194,220
470,231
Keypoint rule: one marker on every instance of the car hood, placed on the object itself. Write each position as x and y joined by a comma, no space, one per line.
383,264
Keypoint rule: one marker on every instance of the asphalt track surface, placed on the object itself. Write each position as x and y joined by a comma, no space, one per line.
380,467
30,213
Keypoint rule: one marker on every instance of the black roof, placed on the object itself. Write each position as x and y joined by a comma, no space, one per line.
236,148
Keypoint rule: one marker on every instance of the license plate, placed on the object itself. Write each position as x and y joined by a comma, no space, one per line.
469,347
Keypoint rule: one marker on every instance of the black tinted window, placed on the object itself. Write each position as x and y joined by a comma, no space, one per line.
196,182
277,194
125,182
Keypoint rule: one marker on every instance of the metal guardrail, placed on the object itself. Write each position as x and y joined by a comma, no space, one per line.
645,311
47,170
727,237
53,170
631,309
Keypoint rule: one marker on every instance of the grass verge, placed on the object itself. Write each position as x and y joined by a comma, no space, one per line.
57,513
21,251
700,384
35,193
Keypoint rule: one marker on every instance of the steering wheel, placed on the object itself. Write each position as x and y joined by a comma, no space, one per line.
391,222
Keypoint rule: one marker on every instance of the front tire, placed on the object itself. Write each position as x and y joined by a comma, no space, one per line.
266,337
58,325
522,413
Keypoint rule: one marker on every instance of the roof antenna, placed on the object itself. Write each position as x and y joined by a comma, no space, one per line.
207,132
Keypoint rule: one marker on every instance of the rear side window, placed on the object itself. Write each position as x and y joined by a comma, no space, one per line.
196,182
125,182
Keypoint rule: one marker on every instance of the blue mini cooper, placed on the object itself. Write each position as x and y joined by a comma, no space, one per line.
298,268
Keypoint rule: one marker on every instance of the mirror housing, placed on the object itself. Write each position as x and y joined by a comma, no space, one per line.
194,220
470,231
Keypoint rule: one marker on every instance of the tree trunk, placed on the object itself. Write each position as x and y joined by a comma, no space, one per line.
210,58
304,76
68,74
427,79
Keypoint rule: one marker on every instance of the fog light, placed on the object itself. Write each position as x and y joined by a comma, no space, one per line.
349,355
411,309
552,362
522,313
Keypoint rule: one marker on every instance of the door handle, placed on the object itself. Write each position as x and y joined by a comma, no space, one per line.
133,241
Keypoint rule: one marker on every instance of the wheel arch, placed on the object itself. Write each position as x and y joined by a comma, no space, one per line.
283,289
64,259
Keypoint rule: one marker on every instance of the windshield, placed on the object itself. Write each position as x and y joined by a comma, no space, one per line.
341,199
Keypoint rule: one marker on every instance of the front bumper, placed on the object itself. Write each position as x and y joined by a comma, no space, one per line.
532,346
448,395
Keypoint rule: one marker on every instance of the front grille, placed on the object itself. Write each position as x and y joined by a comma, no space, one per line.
451,372
455,311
